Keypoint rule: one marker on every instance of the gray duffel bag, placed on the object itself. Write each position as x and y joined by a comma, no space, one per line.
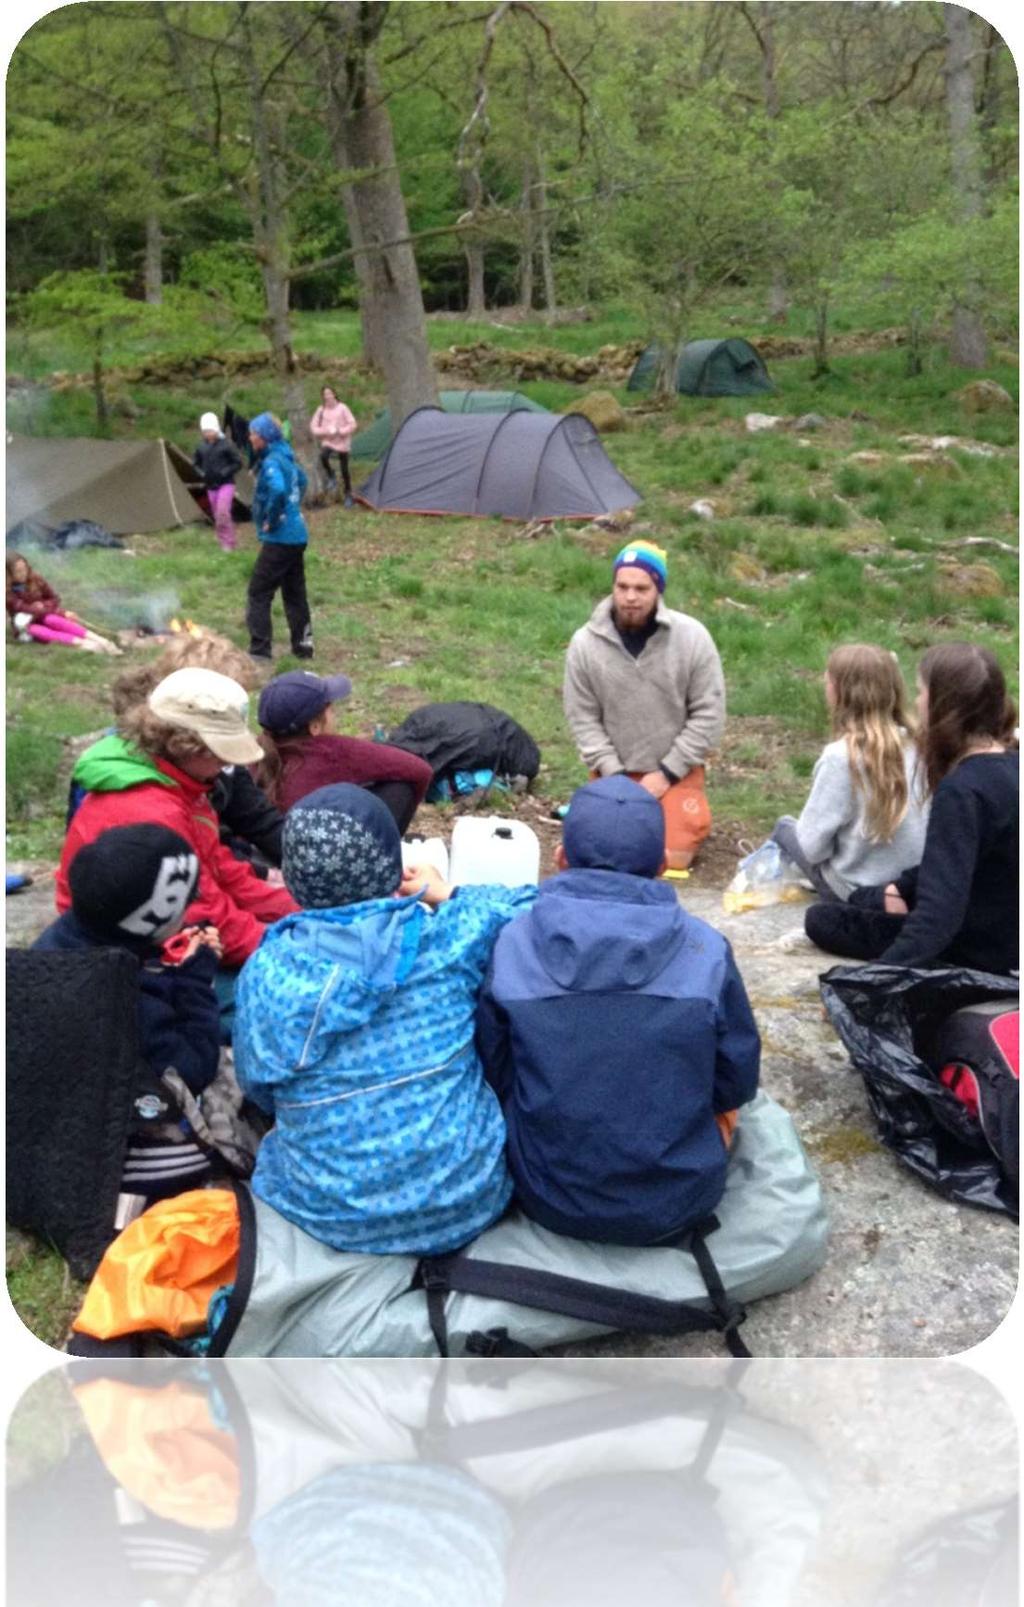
520,1288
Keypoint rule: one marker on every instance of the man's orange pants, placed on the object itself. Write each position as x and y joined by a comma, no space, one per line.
687,818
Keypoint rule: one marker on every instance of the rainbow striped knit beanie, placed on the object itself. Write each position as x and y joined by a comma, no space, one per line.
644,555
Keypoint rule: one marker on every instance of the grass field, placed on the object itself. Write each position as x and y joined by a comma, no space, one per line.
807,549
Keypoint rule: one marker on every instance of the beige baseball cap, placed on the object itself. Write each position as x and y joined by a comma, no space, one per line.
213,707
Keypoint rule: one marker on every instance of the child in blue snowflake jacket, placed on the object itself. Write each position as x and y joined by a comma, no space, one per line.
355,1029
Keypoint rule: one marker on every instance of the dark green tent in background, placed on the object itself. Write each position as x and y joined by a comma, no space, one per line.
373,442
707,368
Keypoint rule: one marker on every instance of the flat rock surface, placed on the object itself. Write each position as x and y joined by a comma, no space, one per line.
908,1273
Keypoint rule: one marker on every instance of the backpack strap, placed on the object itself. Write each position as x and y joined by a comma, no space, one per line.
605,1305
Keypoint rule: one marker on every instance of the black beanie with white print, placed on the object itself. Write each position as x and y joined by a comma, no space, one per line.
134,883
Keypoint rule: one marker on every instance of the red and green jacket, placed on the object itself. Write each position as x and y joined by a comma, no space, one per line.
125,787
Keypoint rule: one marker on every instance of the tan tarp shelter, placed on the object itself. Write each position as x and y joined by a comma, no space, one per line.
129,487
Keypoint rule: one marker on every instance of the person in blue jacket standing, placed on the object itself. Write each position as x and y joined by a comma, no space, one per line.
277,515
617,1033
354,1030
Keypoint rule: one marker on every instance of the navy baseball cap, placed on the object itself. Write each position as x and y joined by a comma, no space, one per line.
288,703
614,824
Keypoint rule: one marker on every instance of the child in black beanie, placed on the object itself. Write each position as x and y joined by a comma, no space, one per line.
130,889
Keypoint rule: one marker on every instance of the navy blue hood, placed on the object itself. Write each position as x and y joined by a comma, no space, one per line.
601,929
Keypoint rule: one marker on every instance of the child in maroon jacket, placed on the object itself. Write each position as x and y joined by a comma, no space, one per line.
303,751
35,612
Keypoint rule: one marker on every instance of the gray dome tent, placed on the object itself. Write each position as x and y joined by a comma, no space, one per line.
372,442
517,465
707,368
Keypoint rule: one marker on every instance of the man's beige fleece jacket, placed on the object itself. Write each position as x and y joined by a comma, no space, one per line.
665,707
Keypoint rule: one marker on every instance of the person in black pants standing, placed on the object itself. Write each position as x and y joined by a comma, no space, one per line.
960,905
277,515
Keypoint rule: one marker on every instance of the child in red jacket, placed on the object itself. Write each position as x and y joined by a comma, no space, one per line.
158,770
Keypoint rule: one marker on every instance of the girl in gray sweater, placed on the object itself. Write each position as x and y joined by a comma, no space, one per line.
866,816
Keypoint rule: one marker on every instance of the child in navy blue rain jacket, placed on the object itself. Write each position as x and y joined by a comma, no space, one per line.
130,889
617,1033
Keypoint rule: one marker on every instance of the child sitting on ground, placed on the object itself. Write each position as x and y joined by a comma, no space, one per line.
866,816
617,1033
36,616
130,889
960,905
355,1031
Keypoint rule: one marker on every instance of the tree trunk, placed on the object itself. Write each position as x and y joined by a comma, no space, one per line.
476,302
543,233
372,336
153,274
98,390
915,364
271,239
526,243
473,246
821,365
778,295
968,345
393,315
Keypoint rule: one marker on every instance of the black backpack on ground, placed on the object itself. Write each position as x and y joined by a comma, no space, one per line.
467,736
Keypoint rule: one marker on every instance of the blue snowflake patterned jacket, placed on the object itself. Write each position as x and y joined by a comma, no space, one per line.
355,1031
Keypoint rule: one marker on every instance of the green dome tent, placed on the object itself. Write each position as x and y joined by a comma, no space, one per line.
372,443
707,368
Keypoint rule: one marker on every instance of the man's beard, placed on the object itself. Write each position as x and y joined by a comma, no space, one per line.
634,622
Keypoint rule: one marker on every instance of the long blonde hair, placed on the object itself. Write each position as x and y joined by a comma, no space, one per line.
870,712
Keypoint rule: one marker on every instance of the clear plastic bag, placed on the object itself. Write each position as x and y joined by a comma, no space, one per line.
766,876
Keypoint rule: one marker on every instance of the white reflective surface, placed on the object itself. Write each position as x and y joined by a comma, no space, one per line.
512,1484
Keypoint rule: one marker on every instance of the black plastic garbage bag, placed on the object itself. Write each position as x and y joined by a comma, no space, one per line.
468,736
888,1017
968,1559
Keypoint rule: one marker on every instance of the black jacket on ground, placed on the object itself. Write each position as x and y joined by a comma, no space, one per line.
963,897
179,1017
245,812
217,461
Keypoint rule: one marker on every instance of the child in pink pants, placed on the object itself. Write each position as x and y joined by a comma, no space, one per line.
34,611
218,461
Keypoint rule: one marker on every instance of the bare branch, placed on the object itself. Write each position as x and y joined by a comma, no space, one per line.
526,9
464,18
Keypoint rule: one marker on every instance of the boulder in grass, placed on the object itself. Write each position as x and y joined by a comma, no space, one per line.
810,421
972,580
985,396
756,422
936,463
603,410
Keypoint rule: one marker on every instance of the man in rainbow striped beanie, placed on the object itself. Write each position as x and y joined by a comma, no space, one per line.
644,696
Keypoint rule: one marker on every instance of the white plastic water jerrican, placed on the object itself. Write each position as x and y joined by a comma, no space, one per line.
426,851
494,851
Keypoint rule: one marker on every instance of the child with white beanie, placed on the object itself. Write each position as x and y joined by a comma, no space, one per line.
218,461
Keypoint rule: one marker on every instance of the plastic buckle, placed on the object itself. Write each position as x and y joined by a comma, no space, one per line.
488,1344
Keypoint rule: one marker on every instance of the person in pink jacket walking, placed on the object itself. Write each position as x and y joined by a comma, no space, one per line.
332,427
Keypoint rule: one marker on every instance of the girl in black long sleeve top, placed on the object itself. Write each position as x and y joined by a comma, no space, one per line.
960,905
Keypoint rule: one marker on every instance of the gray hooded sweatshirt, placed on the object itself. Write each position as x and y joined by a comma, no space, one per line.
667,706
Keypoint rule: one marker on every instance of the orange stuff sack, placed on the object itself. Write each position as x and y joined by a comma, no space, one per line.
161,1273
163,1448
